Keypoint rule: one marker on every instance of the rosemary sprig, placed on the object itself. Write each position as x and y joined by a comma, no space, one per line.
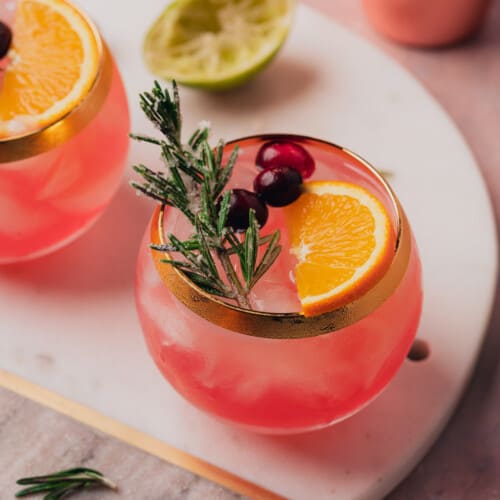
216,258
64,483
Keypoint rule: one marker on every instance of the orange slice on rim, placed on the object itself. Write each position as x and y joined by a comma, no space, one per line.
54,61
342,238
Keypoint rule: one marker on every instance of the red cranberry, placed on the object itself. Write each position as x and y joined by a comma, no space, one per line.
291,154
5,39
240,203
278,186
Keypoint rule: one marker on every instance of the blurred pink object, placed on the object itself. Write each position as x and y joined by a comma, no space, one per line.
426,23
7,11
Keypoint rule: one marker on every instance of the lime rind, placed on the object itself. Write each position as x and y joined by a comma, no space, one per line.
216,44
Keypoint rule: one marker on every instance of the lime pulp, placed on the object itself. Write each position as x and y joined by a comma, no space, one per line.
216,44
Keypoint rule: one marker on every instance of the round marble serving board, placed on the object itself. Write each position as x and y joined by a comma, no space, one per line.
67,322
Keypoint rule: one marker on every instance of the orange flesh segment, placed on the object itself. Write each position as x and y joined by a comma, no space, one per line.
53,62
341,236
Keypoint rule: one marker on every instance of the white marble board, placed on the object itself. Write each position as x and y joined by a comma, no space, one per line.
68,322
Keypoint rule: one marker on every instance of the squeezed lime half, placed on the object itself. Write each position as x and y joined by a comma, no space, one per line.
216,44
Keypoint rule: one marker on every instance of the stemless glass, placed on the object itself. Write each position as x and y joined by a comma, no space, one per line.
427,24
281,372
54,182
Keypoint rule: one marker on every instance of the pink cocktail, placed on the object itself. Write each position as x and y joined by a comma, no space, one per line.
55,181
427,24
272,369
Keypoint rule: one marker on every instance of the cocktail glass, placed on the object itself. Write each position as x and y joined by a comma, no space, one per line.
427,24
272,369
55,181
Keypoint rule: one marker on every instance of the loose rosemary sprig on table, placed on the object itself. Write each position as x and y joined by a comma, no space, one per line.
194,182
64,483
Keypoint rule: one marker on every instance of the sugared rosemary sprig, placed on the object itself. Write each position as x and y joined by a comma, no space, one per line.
194,181
64,483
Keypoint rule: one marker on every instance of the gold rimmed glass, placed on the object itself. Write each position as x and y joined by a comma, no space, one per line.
55,181
274,370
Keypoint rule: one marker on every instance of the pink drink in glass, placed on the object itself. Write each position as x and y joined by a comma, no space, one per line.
48,198
279,385
427,24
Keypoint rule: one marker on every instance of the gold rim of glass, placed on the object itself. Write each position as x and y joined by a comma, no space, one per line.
288,325
65,127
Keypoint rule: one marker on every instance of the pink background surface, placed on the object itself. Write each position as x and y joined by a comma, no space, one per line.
465,79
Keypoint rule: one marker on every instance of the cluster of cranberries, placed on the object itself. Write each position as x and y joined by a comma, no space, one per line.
284,164
5,39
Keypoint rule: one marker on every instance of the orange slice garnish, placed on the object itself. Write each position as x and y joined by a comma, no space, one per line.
342,238
53,63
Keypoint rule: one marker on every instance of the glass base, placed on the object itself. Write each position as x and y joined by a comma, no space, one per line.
55,247
276,431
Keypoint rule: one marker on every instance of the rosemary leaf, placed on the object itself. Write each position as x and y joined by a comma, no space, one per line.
63,483
190,256
178,180
40,488
146,138
209,229
271,258
207,285
176,108
151,193
250,252
189,245
235,246
266,239
180,264
223,211
194,181
209,160
224,174
63,492
61,474
219,152
190,167
195,137
270,255
205,248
